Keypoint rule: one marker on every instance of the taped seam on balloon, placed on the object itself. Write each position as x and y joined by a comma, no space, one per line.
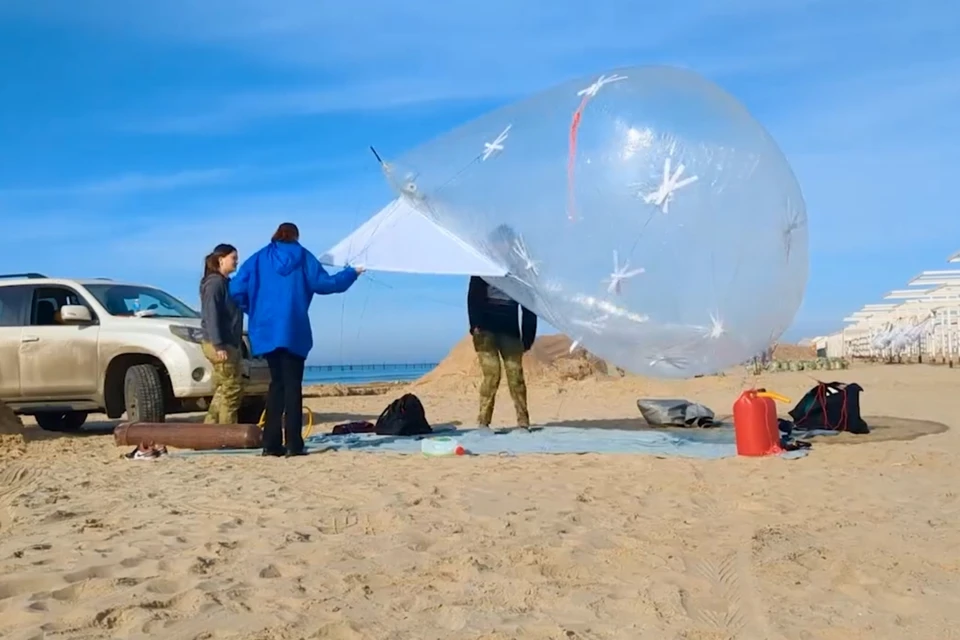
608,308
716,326
596,325
490,148
670,185
620,273
677,362
794,222
585,95
520,249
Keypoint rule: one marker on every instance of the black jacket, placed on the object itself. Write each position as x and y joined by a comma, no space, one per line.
490,309
220,317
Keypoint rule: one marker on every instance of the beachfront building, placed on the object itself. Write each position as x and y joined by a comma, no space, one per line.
920,322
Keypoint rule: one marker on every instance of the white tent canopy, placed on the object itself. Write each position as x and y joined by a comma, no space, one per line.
401,239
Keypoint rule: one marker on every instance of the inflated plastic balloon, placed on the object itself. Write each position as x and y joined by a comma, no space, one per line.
642,212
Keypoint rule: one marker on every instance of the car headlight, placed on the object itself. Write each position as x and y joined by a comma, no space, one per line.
190,334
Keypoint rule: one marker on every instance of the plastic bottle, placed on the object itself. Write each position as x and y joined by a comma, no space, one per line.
441,447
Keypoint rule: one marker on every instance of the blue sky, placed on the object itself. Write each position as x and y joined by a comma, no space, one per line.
137,135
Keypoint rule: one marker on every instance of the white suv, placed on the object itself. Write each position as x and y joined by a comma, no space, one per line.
72,347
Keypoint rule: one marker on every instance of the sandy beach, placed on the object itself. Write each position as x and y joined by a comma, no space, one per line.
857,540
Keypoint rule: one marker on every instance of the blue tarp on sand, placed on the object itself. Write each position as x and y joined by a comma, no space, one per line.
689,443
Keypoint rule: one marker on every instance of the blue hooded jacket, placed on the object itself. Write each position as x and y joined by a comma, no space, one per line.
275,287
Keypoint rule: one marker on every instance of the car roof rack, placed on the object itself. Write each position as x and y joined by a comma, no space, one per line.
31,275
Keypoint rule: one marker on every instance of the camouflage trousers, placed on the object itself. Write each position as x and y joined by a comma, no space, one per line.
491,348
227,386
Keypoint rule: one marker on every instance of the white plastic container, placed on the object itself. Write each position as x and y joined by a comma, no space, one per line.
441,447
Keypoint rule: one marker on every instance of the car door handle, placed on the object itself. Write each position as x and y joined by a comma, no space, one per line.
30,339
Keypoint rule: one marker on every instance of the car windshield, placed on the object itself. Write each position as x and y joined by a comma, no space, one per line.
133,300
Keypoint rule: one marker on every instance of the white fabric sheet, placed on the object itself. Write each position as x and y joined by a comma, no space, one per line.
401,239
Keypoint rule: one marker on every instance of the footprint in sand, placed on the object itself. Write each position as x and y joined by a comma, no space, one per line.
166,587
717,588
338,523
269,572
69,593
92,582
230,525
201,508
176,565
418,542
31,549
133,562
103,571
708,507
339,631
15,479
15,587
714,599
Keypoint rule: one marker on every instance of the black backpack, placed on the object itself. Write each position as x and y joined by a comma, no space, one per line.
403,417
831,405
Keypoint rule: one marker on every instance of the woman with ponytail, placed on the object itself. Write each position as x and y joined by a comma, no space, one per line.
222,323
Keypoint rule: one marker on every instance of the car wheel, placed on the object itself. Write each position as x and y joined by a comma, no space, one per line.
66,421
143,394
251,409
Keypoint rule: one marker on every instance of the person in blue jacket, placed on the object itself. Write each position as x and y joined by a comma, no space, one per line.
275,287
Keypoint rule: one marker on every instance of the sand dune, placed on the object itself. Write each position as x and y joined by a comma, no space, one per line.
549,361
786,351
856,541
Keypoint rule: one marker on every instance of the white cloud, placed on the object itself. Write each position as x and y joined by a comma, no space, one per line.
381,35
129,183
138,183
226,113
174,240
380,54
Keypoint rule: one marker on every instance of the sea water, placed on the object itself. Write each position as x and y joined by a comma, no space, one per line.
364,374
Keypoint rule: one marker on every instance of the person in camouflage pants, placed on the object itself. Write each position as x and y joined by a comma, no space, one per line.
222,327
498,334
227,383
491,348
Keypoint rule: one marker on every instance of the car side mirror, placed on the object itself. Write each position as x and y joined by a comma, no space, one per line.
75,314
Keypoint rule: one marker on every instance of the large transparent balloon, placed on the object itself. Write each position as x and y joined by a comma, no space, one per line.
643,212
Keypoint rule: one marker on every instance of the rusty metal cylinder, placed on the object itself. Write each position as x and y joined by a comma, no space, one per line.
189,435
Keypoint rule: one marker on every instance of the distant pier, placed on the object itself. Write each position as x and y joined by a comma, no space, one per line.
330,368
